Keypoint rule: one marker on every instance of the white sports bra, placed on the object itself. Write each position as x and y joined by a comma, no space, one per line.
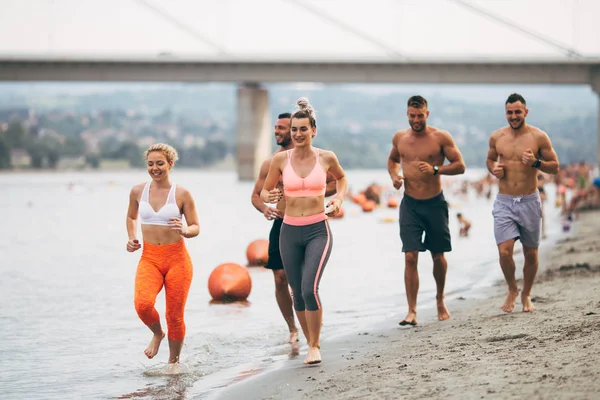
161,217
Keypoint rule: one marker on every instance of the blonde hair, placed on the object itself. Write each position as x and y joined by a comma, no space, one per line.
169,152
305,110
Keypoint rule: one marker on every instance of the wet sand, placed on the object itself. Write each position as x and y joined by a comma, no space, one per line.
481,352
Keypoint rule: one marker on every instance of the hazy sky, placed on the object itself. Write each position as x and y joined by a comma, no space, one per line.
297,28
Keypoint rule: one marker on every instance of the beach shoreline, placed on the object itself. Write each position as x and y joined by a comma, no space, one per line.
481,352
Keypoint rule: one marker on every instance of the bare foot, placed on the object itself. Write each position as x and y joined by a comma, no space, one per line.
293,336
174,369
154,345
509,304
313,356
527,305
410,319
443,313
295,349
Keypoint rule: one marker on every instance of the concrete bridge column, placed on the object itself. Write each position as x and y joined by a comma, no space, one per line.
253,130
595,82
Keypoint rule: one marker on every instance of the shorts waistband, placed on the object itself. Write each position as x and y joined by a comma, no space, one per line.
430,200
505,198
150,249
305,220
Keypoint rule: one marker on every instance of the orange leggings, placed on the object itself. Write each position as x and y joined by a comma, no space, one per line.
169,265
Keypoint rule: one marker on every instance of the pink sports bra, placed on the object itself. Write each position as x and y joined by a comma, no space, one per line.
313,185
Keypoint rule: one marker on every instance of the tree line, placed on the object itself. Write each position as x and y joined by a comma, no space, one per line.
46,148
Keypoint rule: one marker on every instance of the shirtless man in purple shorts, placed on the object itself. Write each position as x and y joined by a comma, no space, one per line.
516,153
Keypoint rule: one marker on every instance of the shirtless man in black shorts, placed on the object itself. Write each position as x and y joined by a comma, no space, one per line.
421,151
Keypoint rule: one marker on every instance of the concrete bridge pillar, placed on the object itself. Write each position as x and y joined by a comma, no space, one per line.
595,82
253,130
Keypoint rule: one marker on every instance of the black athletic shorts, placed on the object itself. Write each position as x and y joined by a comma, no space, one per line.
275,262
429,216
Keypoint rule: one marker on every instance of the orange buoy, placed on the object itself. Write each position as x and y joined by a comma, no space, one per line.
257,252
368,206
229,282
359,198
392,202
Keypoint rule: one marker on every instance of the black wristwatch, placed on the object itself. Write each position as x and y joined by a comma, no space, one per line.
436,169
537,163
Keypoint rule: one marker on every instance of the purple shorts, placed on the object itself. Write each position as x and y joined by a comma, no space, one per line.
518,217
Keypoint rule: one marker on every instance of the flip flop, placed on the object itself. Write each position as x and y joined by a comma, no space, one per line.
405,322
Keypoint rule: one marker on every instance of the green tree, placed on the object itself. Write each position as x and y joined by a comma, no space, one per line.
52,149
93,160
53,156
109,148
73,146
15,135
36,152
131,152
191,156
5,162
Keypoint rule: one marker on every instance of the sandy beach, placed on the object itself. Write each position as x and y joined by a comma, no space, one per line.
481,352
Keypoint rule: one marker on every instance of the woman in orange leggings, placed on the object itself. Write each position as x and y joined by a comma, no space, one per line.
160,205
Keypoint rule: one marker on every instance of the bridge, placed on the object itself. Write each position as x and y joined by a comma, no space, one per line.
503,50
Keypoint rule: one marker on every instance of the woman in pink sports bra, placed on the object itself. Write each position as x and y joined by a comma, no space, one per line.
305,241
160,205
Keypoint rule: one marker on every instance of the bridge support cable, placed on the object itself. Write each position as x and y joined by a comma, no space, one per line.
347,28
183,27
566,50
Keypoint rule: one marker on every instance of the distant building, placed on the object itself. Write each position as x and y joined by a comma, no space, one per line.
146,141
194,141
19,158
50,133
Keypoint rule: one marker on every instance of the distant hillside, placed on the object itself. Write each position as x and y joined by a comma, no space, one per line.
356,121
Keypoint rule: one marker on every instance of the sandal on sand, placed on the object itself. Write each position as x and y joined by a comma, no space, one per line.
405,322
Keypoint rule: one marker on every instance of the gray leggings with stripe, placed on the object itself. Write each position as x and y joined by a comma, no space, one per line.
305,251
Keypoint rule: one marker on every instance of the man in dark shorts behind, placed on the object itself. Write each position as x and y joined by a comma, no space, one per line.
421,151
282,292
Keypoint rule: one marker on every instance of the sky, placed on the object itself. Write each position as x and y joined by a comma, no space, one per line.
292,29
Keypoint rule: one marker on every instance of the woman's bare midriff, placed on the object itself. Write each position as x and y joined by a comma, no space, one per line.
157,234
304,206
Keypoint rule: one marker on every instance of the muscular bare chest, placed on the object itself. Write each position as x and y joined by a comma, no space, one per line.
420,149
509,147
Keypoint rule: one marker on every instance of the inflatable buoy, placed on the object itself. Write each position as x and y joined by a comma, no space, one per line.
359,198
368,206
392,202
229,282
257,252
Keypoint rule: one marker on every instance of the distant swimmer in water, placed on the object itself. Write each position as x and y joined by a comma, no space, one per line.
305,240
516,154
165,262
465,225
423,207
